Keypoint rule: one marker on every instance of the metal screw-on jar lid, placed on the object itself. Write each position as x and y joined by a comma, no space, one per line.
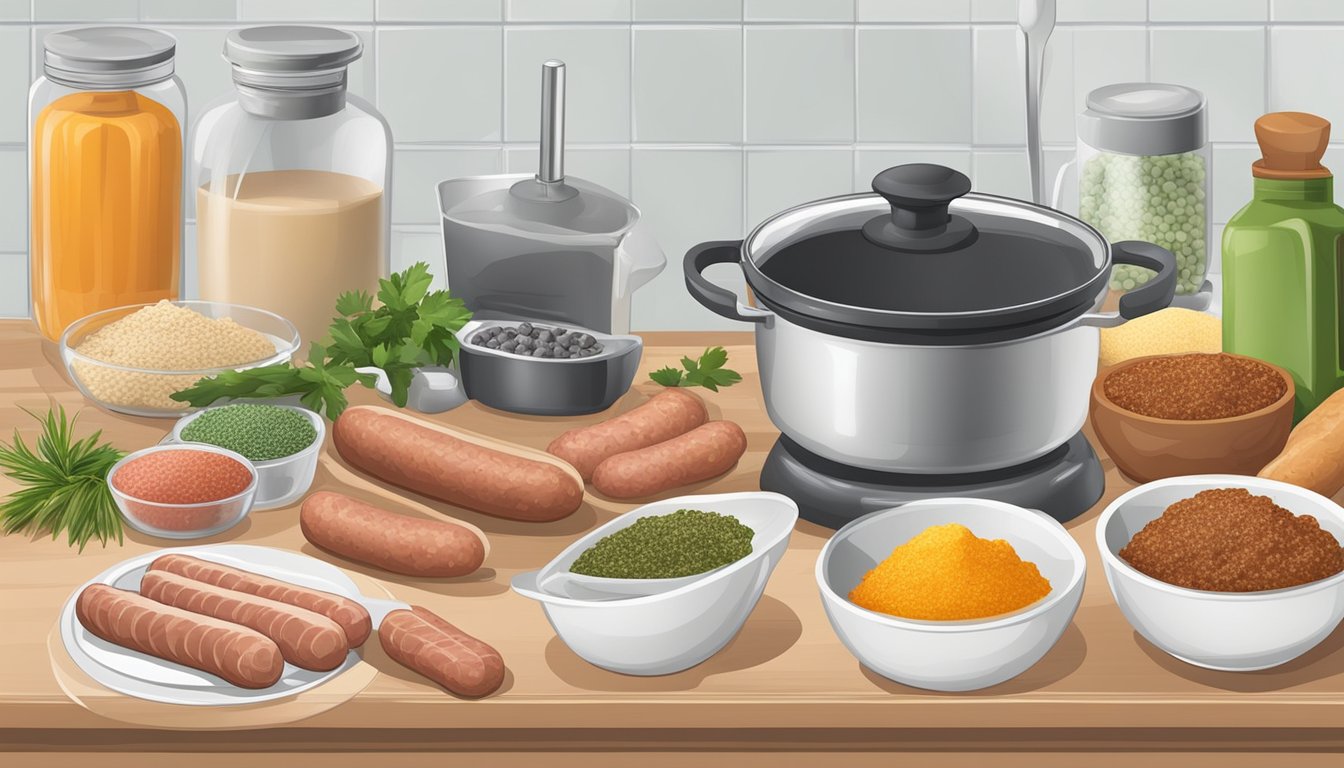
108,57
1144,119
289,48
291,72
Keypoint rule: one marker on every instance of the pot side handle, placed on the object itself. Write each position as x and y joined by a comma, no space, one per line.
1151,296
720,301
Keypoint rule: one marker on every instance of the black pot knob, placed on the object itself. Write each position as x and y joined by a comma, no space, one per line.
920,194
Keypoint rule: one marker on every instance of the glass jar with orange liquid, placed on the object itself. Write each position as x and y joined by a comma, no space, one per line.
105,172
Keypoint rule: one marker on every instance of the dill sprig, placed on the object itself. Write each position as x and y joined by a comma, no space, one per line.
65,484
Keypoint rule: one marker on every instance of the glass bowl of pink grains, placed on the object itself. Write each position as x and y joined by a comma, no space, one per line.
183,491
132,359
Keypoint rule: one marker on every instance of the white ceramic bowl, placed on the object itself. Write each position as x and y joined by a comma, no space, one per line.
951,655
1226,631
282,481
674,630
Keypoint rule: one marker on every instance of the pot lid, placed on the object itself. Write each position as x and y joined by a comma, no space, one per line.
925,254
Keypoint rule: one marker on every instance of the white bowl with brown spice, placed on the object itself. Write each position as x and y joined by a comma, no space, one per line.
1222,630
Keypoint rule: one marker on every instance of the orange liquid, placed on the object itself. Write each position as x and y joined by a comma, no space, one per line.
106,206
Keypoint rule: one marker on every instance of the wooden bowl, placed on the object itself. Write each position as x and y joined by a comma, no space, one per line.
1147,448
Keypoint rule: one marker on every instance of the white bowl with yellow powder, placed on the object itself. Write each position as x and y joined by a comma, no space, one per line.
132,359
950,655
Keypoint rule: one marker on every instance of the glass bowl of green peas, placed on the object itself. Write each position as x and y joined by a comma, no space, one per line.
283,442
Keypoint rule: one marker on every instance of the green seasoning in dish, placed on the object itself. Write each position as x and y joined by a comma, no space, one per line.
258,432
683,543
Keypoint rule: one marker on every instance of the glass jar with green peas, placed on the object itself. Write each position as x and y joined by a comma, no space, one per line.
1143,174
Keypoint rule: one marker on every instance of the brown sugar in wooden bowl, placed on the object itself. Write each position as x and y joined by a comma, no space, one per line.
1148,448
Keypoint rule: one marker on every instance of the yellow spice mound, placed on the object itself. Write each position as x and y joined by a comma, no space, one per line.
1170,331
163,337
948,573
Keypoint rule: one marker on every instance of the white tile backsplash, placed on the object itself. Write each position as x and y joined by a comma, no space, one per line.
714,114
306,11
688,10
782,178
1102,10
1226,64
681,98
420,243
687,196
441,83
439,10
798,84
13,199
597,67
798,10
893,105
1306,10
1304,72
567,10
86,10
904,11
1208,10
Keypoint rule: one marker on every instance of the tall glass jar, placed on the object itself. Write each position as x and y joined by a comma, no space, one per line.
106,122
1144,174
292,178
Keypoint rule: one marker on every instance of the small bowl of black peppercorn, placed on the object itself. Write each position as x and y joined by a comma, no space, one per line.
545,369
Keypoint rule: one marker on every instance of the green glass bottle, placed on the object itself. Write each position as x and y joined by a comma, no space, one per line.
1283,263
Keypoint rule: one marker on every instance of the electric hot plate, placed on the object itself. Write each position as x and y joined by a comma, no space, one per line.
1063,484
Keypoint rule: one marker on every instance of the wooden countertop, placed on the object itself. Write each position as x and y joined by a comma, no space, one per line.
785,680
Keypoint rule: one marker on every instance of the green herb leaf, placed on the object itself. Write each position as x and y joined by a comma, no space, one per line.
707,372
64,484
668,376
353,303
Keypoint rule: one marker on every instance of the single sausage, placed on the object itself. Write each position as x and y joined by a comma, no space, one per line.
1313,457
241,656
411,546
419,640
306,639
351,616
667,414
460,469
704,452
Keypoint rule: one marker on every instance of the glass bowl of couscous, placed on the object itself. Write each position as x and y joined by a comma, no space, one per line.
132,359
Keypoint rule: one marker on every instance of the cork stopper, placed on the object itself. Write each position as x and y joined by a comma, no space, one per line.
1291,146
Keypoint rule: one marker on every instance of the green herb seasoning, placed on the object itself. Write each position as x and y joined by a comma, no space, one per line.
258,432
683,543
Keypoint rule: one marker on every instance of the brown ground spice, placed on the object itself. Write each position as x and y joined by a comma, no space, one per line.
1195,387
1226,540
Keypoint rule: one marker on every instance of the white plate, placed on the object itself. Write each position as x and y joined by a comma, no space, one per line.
147,677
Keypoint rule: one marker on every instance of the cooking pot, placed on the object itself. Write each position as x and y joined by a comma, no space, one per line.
927,329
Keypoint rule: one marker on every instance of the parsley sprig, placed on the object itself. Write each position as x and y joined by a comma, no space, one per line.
707,372
412,327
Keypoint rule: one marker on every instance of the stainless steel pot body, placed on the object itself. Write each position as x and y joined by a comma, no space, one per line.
926,409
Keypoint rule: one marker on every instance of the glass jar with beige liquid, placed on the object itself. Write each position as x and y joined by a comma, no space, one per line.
292,179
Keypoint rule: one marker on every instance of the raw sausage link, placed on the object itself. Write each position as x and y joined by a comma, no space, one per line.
306,639
411,546
431,461
667,414
704,452
419,640
351,616
237,654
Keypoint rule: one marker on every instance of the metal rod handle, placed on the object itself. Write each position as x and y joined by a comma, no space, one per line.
552,168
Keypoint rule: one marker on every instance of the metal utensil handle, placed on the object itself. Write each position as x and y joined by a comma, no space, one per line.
720,301
552,165
1153,295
